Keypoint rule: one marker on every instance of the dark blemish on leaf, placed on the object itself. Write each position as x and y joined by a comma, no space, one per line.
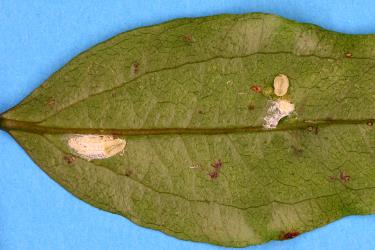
188,38
344,177
250,107
370,123
200,112
289,235
128,173
217,164
256,88
135,68
69,159
348,55
213,174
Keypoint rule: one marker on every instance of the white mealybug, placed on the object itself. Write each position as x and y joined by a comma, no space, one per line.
277,110
92,147
280,85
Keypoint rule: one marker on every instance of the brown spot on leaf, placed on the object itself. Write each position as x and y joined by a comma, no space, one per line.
51,102
250,107
370,123
256,88
289,235
128,172
332,178
217,165
69,159
297,151
348,55
200,112
187,38
135,68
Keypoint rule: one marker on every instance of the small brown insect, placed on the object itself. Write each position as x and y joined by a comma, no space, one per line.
289,235
256,88
370,123
213,174
348,55
344,177
69,159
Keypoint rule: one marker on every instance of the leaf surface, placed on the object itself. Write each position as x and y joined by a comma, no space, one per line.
198,163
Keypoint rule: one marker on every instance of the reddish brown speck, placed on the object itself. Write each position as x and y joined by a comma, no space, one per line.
256,88
370,123
217,164
213,174
332,178
289,235
348,55
344,177
69,159
135,67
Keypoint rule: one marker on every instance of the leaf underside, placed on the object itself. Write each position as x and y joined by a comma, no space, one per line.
180,94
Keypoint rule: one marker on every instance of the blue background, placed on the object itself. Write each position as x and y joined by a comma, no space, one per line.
38,37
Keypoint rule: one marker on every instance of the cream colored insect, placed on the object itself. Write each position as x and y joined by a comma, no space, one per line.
281,85
92,147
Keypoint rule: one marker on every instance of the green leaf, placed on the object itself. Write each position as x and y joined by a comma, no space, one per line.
183,147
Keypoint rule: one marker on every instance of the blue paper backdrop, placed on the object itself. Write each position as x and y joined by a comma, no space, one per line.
38,37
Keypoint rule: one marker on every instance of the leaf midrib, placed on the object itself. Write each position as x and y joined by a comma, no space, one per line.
34,127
